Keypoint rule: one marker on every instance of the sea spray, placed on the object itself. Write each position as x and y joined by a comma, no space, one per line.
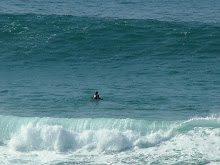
60,134
39,136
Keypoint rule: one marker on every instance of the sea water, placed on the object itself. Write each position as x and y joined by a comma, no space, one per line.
155,63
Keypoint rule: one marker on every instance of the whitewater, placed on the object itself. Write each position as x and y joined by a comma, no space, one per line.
108,141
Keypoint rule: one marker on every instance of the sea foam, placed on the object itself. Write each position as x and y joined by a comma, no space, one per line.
33,137
99,135
167,141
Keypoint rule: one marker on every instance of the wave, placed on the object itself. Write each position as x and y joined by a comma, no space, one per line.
100,135
199,11
48,39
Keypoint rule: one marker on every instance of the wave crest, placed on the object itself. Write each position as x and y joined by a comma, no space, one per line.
103,135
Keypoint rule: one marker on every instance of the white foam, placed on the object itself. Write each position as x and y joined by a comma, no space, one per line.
45,137
42,137
192,141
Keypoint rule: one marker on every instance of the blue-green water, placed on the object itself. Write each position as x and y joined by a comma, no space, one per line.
156,64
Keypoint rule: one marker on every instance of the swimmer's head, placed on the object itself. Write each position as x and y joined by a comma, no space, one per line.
96,92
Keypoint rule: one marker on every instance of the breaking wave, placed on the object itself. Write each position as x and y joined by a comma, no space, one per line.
101,135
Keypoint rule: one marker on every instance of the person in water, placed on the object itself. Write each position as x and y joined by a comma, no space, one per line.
96,96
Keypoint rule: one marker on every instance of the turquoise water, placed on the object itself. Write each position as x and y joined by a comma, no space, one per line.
156,64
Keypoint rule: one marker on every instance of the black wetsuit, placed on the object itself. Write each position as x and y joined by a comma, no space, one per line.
96,97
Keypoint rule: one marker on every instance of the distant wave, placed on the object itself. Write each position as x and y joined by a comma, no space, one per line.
158,10
68,38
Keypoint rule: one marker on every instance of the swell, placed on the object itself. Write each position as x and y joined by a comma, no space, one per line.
161,10
47,39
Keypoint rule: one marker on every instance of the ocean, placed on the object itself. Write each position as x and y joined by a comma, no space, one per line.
155,64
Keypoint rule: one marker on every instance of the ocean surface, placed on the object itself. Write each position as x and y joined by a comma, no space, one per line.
155,63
